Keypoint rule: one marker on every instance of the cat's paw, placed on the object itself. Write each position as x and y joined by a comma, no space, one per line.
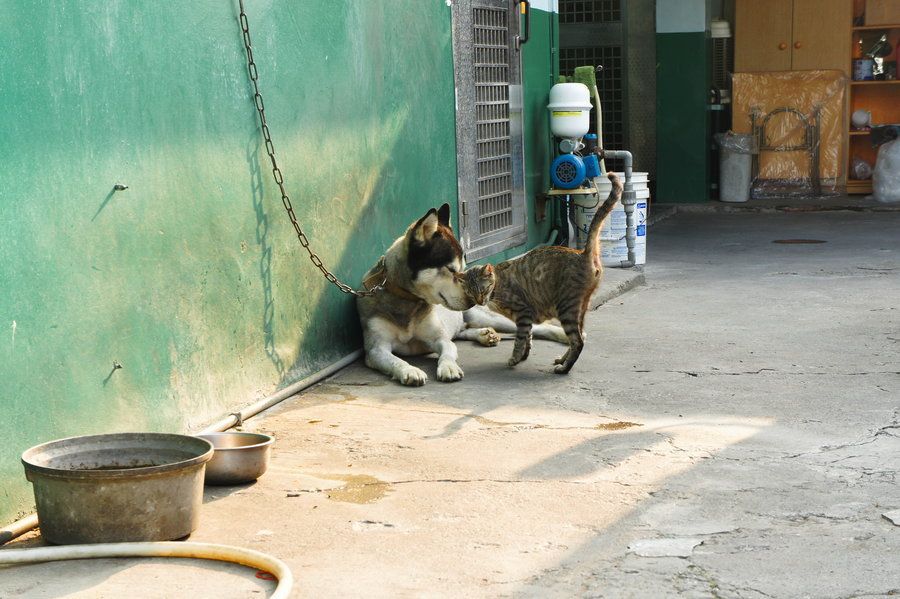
562,359
449,371
488,337
562,369
412,376
513,361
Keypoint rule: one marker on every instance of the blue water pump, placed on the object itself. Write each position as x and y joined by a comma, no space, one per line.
570,170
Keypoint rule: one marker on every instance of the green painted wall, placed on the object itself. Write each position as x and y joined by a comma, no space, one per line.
192,278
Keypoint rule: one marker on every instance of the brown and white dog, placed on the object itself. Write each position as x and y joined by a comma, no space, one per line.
420,308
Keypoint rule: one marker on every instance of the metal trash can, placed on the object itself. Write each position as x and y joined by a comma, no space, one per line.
735,164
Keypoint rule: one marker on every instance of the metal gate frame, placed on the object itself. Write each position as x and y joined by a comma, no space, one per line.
489,127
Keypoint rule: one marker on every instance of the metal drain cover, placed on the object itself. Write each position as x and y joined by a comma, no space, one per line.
799,241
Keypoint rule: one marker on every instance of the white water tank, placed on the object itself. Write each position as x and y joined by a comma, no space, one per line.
570,110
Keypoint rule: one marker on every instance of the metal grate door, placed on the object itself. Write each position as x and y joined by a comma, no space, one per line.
488,127
590,11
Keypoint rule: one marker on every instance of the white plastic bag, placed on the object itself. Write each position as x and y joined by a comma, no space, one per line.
886,178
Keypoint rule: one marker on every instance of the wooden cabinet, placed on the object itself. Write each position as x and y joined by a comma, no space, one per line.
882,12
792,35
821,37
762,35
797,35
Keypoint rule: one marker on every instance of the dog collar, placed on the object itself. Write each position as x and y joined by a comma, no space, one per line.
379,276
403,293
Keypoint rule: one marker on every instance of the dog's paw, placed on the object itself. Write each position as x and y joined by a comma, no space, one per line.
488,337
412,376
449,371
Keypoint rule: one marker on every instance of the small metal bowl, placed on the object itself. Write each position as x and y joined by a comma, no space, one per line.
238,458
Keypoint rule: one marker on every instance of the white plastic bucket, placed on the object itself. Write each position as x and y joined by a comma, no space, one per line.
613,245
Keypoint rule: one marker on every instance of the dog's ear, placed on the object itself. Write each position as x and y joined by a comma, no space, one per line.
444,215
426,227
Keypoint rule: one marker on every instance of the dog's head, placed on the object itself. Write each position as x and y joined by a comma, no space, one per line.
435,261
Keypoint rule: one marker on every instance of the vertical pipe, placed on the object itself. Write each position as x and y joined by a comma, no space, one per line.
629,199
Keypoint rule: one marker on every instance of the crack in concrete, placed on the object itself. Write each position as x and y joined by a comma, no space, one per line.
858,594
885,475
715,372
614,425
884,430
698,574
881,431
849,457
298,492
487,582
805,517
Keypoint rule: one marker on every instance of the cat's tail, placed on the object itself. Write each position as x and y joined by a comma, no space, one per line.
592,247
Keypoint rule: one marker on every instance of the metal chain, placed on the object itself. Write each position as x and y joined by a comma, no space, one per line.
279,178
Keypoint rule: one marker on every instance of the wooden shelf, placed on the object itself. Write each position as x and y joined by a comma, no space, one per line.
880,98
882,82
855,186
874,27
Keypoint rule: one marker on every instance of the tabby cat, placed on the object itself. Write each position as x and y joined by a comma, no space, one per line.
547,282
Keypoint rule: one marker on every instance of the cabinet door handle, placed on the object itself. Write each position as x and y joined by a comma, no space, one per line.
798,45
782,46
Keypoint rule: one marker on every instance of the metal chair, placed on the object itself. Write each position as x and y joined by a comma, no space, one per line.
811,139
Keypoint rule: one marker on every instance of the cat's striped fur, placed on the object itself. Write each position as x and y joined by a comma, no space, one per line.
551,282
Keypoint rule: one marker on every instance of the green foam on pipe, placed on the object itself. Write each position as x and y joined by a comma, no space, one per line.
585,75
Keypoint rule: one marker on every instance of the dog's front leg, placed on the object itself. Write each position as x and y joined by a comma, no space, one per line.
447,368
437,332
378,342
380,357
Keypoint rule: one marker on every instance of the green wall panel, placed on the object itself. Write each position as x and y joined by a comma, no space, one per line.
682,119
192,278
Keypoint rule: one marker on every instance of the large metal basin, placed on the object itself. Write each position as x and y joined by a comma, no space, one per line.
118,487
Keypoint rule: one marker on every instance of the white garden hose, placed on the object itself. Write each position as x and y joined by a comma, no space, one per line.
599,116
222,553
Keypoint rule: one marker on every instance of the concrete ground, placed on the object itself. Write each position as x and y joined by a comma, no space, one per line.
731,430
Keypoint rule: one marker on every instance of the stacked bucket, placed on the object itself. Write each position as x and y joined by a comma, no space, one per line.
613,247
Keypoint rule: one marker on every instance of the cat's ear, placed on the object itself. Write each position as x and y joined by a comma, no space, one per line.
426,227
444,214
488,270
